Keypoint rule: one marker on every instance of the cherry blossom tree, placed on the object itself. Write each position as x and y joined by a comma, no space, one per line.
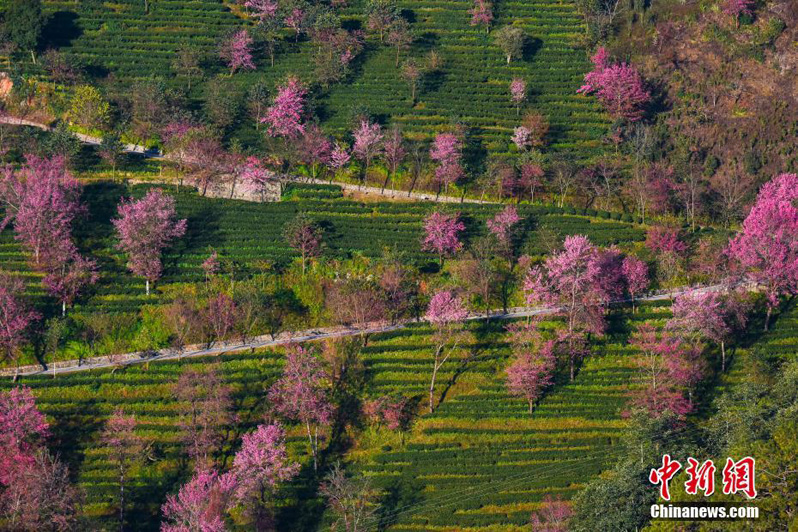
145,228
441,234
482,14
553,515
446,313
40,496
126,449
15,317
356,301
400,36
532,368
411,72
304,235
236,51
256,176
368,144
447,152
522,138
518,93
22,429
767,245
738,8
656,361
635,274
200,505
619,87
503,227
206,411
708,316
315,148
394,153
259,467
285,115
668,248
339,157
70,276
393,412
301,394
219,316
41,199
574,283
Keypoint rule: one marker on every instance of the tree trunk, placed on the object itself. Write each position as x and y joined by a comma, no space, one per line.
723,355
147,286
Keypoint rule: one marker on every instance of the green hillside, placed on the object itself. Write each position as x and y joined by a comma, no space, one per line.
119,38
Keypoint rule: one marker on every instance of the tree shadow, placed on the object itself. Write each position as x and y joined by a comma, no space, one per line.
61,29
532,46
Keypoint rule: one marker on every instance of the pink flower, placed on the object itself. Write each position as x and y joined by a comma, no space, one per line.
285,115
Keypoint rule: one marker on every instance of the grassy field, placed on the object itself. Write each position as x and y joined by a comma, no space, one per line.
479,461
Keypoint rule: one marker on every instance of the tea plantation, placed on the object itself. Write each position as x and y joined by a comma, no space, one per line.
251,233
479,460
120,38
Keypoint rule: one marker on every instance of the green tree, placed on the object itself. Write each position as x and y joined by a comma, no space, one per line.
511,40
23,23
88,108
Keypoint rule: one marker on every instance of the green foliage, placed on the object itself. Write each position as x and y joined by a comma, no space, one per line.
23,22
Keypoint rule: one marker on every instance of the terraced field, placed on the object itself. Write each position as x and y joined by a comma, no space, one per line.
120,37
249,233
480,460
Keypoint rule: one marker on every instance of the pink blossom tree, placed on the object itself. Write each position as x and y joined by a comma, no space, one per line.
393,412
532,368
394,153
69,276
236,51
767,245
552,516
446,313
572,281
220,317
41,199
301,394
441,234
447,152
518,93
256,176
482,14
635,274
22,430
295,19
259,467
15,317
145,228
339,158
305,236
285,115
738,8
522,138
126,449
619,87
368,144
657,362
200,505
708,316
206,410
503,227
316,149
666,244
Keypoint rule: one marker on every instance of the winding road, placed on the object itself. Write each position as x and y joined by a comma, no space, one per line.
288,337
